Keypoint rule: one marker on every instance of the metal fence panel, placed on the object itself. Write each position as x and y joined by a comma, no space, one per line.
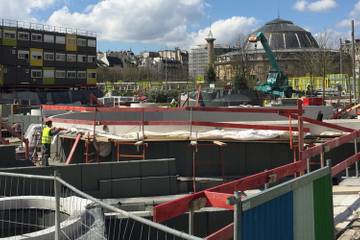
47,207
272,220
304,213
297,209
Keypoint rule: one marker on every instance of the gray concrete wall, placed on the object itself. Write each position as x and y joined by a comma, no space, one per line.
310,111
240,158
107,180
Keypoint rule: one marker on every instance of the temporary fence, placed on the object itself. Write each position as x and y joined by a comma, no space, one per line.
219,196
47,207
298,209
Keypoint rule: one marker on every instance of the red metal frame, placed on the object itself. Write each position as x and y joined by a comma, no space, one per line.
178,123
72,151
335,170
179,206
202,109
224,233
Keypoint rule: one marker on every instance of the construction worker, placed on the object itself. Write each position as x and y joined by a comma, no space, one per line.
46,136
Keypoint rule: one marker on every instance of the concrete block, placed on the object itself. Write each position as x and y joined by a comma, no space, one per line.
105,189
71,174
173,185
154,168
92,173
152,186
126,187
125,169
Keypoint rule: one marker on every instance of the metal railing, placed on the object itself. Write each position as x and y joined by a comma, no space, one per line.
48,207
44,27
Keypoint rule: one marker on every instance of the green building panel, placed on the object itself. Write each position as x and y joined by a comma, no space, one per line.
9,37
323,211
48,80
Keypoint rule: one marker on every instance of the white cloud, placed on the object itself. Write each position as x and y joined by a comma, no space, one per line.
301,5
330,38
153,21
127,20
22,9
227,31
315,6
353,15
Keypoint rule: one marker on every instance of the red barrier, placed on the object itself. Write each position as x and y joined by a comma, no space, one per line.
329,145
176,123
166,109
166,211
345,164
72,151
329,125
224,233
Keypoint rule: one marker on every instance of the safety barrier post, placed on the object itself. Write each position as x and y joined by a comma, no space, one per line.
57,187
191,221
236,202
301,131
322,162
356,163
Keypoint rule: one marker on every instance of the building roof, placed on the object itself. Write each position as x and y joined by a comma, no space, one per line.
284,34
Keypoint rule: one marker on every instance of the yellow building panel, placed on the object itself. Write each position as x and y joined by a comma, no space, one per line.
36,57
91,76
71,44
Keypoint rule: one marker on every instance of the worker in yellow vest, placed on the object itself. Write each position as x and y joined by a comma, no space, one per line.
46,136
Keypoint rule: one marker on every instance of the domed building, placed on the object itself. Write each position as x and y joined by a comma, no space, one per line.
296,50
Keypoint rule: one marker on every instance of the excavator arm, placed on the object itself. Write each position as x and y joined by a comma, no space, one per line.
276,82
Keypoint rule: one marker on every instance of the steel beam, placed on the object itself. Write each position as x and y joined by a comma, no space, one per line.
73,149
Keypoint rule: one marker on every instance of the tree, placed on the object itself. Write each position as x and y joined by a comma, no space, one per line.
242,65
210,75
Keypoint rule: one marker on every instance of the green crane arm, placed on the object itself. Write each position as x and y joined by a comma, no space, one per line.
261,37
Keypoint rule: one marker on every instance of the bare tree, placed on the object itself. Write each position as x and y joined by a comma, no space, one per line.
242,65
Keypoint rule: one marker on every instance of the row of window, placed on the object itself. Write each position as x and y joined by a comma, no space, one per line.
59,57
38,73
48,38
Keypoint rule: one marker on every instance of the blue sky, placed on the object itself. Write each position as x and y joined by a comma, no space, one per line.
158,24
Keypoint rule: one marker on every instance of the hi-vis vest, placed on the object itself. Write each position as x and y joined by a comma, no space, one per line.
45,136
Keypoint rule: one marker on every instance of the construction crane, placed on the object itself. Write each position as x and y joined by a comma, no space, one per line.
276,84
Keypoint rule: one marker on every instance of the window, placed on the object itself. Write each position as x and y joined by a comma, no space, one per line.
36,37
71,74
91,74
48,38
23,55
81,58
36,73
81,42
25,36
91,59
71,40
91,43
60,74
36,55
48,73
71,57
9,34
81,74
60,57
48,56
60,39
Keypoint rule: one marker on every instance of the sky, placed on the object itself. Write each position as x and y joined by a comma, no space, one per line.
144,25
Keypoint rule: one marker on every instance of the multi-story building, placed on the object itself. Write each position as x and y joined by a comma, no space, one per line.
346,48
40,56
199,59
295,49
167,65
